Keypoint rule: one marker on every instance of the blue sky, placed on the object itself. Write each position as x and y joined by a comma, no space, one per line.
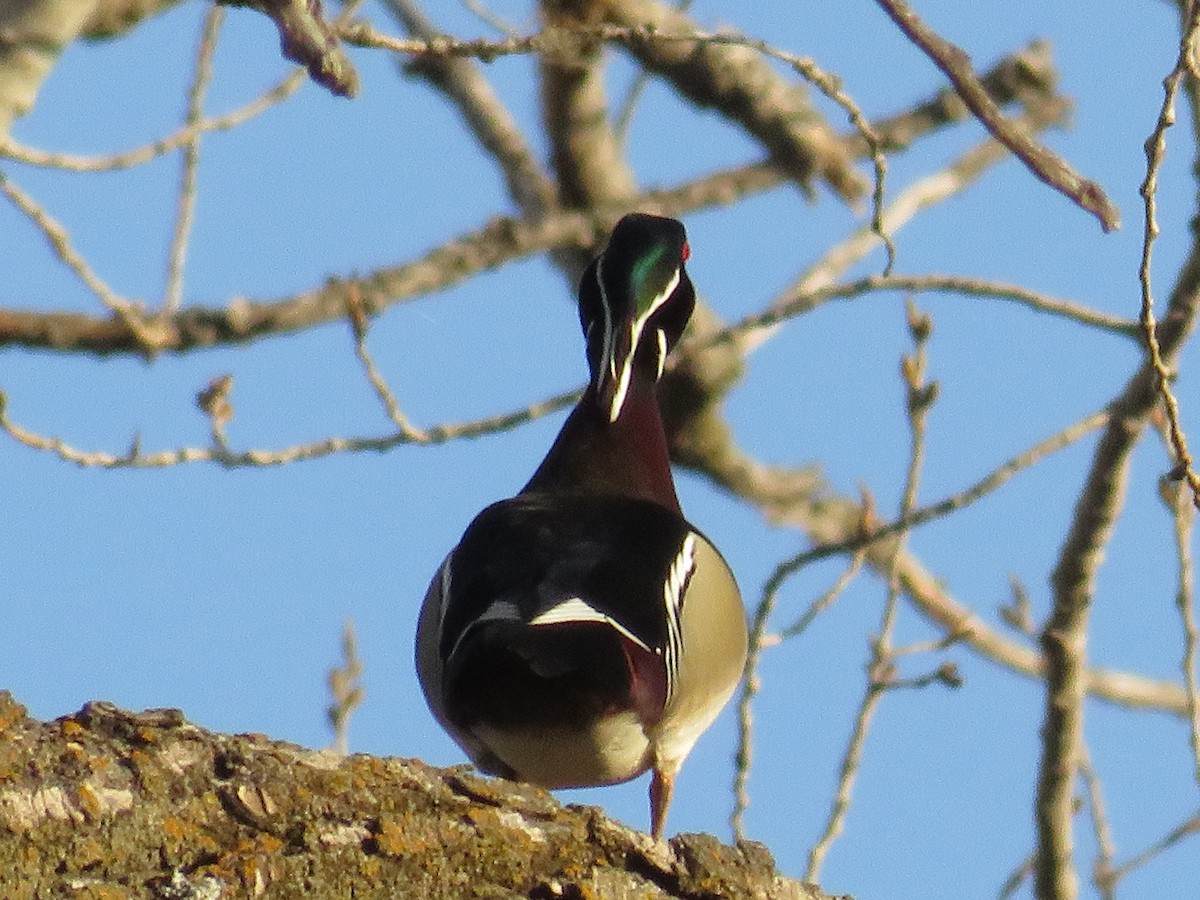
224,592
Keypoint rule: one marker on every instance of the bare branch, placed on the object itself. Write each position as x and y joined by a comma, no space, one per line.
587,156
346,690
1064,638
243,321
139,155
734,80
918,196
134,458
32,35
500,241
801,498
306,38
851,762
1156,149
826,600
359,325
112,18
173,295
721,71
1106,849
460,80
1187,828
1027,77
920,397
793,305
760,639
142,335
959,500
1183,516
1038,158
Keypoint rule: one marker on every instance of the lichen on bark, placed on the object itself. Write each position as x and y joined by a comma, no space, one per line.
111,804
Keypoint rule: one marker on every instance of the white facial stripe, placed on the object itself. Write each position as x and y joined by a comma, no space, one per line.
618,399
635,333
606,352
577,610
662,352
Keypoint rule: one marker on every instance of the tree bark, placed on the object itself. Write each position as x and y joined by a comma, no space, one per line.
107,804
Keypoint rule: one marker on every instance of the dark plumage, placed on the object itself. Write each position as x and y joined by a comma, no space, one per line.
583,631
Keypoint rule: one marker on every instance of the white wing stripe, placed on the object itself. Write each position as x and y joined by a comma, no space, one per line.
673,591
577,610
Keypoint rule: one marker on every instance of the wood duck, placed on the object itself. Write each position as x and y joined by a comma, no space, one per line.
583,632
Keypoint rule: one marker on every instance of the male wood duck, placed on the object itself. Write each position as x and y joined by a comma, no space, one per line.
583,631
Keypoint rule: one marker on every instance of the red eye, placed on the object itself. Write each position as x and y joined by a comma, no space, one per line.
687,251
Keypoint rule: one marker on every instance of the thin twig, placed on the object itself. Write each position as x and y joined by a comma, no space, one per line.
831,87
1105,848
825,601
1156,148
851,761
1183,515
1187,828
792,305
809,290
636,37
759,641
495,20
346,690
186,210
1016,878
493,126
624,116
149,152
1064,638
1019,613
60,241
136,459
956,501
1038,158
1186,601
359,326
920,397
743,756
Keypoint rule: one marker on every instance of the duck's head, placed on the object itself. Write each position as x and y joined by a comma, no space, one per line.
635,299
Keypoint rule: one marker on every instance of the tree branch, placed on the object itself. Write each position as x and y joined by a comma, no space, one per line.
306,38
1027,76
32,35
1073,582
1038,158
491,124
106,802
113,18
736,82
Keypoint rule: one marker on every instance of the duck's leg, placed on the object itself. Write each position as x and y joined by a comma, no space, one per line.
662,783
